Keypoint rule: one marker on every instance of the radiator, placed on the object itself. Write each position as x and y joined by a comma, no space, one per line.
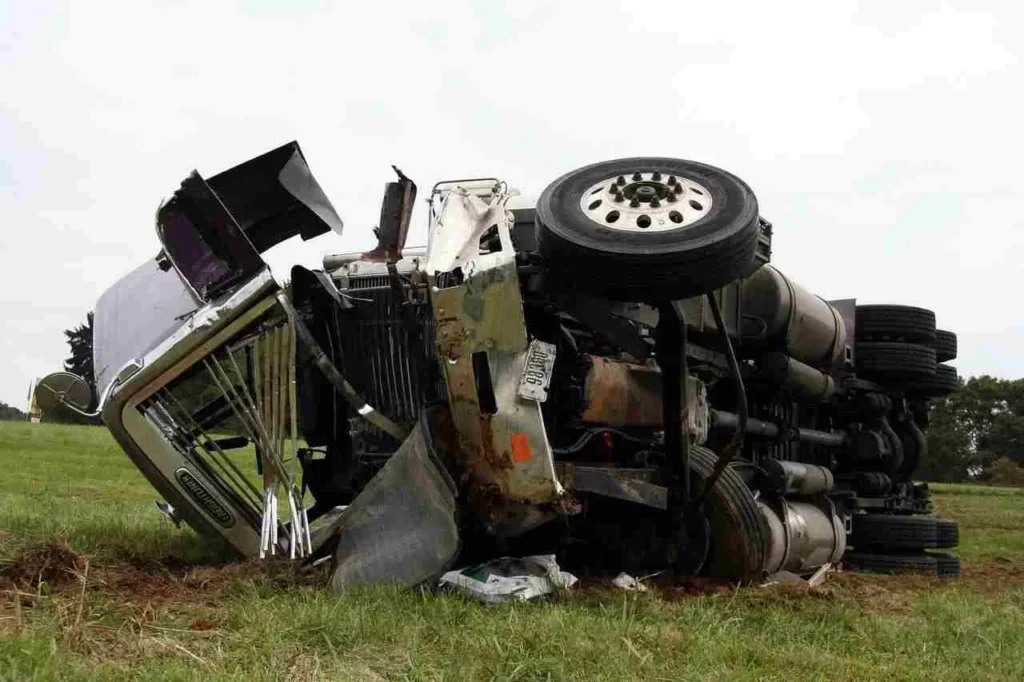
389,358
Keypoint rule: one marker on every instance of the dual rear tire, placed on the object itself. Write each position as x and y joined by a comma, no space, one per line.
889,543
899,346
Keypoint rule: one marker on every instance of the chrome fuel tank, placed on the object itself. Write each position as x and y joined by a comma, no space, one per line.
777,309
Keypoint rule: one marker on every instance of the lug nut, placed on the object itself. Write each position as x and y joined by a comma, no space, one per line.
637,176
672,180
656,176
621,180
619,197
679,189
671,198
655,203
634,202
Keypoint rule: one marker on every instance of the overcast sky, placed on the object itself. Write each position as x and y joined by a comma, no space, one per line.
883,140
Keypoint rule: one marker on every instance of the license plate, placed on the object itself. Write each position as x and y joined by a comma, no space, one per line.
536,377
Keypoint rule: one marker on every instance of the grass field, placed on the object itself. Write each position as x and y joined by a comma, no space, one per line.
125,595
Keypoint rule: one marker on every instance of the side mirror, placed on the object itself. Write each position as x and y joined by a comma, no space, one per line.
62,394
395,215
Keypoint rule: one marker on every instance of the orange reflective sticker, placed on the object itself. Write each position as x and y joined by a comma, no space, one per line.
521,451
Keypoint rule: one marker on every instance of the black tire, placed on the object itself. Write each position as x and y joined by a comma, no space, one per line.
635,265
890,362
739,532
894,323
947,565
947,533
944,345
944,382
893,532
915,447
891,563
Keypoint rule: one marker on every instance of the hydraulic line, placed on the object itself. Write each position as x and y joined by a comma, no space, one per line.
736,443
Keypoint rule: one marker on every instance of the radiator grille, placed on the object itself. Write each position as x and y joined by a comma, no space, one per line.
369,282
389,355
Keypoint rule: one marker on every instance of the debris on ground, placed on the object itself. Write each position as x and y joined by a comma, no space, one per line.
625,581
787,578
509,578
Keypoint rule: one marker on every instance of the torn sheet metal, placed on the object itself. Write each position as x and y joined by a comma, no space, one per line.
510,579
401,528
620,483
455,236
482,344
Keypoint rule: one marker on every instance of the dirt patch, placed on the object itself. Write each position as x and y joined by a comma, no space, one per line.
673,588
152,581
54,564
203,625
863,592
992,575
141,581
199,584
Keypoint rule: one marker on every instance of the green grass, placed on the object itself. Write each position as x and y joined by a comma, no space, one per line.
156,604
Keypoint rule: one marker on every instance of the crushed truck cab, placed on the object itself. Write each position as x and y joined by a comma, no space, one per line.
614,374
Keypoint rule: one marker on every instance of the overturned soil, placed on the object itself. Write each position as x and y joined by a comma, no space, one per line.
55,568
53,564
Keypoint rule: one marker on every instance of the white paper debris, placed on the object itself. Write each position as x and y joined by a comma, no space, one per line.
508,578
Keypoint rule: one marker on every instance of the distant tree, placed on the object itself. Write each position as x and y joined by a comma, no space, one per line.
11,414
950,450
80,362
80,340
973,429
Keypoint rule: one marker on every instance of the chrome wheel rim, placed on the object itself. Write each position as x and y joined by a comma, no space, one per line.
649,201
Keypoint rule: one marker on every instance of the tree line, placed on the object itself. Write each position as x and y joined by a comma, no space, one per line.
977,433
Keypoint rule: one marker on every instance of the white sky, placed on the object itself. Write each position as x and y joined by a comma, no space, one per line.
882,139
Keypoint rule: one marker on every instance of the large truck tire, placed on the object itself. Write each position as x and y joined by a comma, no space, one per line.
894,532
891,362
945,345
947,533
942,383
739,532
947,565
869,562
895,323
647,229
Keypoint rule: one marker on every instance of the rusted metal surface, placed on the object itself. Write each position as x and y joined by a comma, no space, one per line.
507,447
629,394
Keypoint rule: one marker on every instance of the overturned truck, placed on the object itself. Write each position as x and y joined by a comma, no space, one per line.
615,374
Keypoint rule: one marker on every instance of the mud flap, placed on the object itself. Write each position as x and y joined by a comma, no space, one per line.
402,527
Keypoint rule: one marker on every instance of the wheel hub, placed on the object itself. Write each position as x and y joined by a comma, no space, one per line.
648,202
